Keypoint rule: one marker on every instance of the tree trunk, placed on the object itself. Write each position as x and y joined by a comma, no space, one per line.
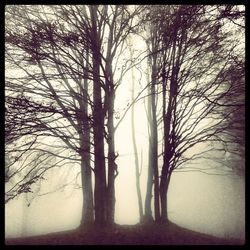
148,212
137,171
88,208
100,174
112,167
154,140
155,160
86,172
165,173
167,153
86,175
98,127
109,108
167,114
163,196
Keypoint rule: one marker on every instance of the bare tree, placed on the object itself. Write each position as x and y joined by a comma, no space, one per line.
194,56
60,50
54,66
137,168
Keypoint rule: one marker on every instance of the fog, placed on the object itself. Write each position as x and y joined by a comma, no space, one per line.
212,204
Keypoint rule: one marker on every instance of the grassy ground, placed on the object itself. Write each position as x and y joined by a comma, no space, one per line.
170,234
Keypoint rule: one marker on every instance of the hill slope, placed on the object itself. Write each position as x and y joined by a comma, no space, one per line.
171,234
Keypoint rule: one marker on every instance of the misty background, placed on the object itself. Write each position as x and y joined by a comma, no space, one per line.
207,203
205,195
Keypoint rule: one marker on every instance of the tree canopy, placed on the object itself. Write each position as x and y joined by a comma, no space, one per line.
64,65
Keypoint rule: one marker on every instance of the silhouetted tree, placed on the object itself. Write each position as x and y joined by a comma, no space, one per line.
61,50
62,73
137,168
194,54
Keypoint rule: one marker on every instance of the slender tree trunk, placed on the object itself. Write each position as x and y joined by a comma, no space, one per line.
98,127
154,139
153,175
148,211
137,171
166,155
111,160
109,108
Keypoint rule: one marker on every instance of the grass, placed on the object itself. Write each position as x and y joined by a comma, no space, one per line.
170,234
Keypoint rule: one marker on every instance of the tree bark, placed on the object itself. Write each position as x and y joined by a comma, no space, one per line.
98,127
88,208
154,138
165,179
86,172
153,142
112,167
148,211
109,108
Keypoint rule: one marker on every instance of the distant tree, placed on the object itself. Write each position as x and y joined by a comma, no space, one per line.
120,22
153,175
137,167
232,106
24,145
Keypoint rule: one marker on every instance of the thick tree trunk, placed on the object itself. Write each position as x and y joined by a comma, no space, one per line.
163,196
98,128
100,174
86,172
88,208
166,170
